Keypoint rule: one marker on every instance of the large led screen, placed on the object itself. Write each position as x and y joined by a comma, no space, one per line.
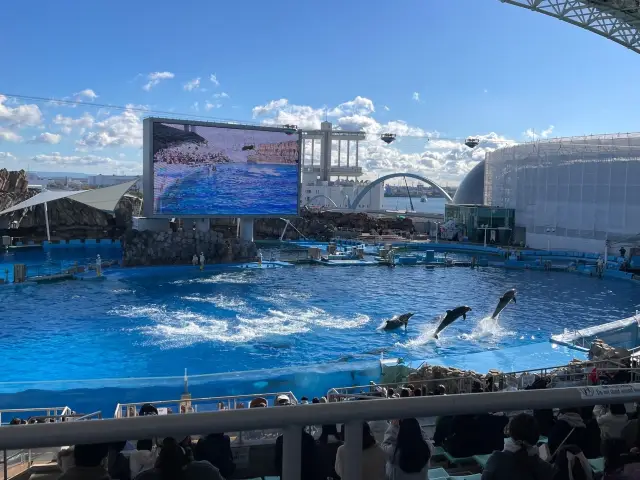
214,170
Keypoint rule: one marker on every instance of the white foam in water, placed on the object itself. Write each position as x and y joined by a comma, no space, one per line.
219,301
241,277
486,327
182,328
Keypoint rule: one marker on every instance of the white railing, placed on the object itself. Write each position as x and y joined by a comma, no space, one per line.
293,419
230,402
47,412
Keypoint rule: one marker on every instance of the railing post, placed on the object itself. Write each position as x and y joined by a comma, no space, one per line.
5,467
353,447
291,452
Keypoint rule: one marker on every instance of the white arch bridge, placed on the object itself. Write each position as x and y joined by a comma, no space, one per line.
617,20
356,201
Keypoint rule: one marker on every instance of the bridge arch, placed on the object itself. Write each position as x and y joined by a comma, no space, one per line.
321,196
368,188
616,20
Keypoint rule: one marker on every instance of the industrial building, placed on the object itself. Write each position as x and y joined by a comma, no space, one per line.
577,193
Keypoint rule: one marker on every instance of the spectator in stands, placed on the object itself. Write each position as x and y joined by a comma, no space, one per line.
544,417
117,464
315,400
173,464
391,393
304,400
612,421
282,400
571,464
88,463
617,465
519,458
592,441
15,421
374,458
407,451
143,458
216,449
308,454
440,390
148,409
405,393
417,392
569,429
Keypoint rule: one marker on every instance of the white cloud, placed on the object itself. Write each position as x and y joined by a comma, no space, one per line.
214,79
122,130
386,108
221,95
196,106
22,115
67,124
415,150
415,97
7,156
9,136
192,84
86,93
155,78
87,162
46,137
531,134
209,106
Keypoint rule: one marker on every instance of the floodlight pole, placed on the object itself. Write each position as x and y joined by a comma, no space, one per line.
46,221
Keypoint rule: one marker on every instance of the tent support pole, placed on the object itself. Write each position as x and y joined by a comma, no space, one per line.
46,221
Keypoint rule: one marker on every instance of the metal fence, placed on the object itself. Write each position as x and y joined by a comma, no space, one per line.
293,419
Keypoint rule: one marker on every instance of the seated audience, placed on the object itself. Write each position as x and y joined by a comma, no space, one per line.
617,465
519,458
117,463
569,429
143,458
407,451
571,464
373,457
612,421
216,449
592,441
308,454
89,463
174,464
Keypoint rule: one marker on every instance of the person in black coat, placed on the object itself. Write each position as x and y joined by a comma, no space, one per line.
216,449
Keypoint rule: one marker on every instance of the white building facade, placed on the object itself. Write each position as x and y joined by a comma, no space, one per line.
569,193
331,168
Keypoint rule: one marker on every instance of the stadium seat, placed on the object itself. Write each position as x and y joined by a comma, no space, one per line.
482,459
458,461
597,464
475,476
438,473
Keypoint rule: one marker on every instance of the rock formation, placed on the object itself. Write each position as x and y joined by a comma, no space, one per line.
174,248
326,225
67,218
601,351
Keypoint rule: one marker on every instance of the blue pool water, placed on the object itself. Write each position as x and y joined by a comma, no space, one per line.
158,321
234,189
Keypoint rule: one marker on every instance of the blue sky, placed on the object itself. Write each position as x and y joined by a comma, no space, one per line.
478,67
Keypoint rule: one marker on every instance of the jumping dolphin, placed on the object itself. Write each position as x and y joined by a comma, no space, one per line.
398,321
509,295
452,316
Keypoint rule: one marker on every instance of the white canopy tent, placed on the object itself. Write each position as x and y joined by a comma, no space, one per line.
105,199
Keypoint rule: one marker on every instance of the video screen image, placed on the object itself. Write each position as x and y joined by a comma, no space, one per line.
209,171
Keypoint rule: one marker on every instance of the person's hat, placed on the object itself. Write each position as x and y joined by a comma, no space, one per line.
283,400
258,402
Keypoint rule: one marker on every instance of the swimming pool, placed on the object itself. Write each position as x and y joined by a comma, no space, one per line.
157,321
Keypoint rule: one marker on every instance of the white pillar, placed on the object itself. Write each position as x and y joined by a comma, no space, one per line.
46,221
246,229
291,453
353,446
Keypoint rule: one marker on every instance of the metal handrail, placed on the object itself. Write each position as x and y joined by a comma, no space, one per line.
352,414
228,398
